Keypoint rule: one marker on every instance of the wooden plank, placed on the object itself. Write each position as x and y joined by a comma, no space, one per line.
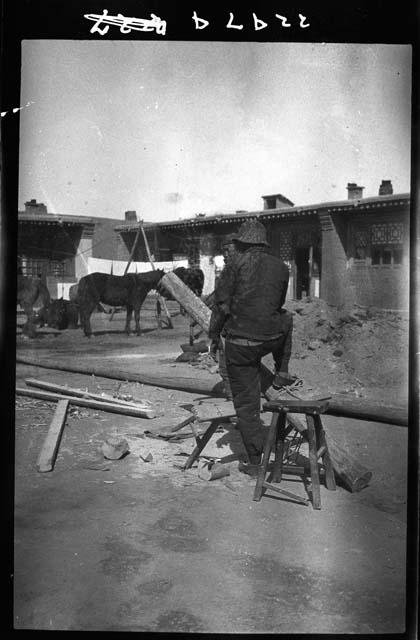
48,453
289,405
69,391
208,411
85,402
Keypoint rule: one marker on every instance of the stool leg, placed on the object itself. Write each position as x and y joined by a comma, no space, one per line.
201,444
191,331
326,458
313,462
279,450
269,445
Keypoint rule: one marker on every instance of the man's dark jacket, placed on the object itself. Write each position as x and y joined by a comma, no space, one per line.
249,296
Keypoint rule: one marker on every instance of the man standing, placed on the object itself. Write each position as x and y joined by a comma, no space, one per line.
248,308
229,250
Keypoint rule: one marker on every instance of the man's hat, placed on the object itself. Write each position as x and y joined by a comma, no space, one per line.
252,232
229,239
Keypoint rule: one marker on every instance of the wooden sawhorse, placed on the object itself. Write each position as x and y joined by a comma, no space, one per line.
318,449
202,440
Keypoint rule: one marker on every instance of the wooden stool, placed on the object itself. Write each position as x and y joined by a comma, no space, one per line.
317,449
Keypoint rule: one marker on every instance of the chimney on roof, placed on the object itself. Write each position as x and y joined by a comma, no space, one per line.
276,201
354,191
385,188
32,206
131,216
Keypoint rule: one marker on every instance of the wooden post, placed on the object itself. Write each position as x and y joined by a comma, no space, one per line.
161,300
133,248
48,454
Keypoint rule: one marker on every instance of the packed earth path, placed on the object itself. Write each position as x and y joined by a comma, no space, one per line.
138,544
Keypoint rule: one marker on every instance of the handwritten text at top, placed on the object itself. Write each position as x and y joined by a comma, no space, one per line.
126,25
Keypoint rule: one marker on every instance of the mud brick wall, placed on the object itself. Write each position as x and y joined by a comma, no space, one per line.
385,287
105,242
336,286
122,251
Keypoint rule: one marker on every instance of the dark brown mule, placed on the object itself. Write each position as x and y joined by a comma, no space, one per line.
128,291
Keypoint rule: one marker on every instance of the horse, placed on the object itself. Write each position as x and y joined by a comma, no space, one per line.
129,290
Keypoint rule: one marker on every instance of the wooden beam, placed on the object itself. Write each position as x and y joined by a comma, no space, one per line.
48,453
161,300
133,248
85,402
192,385
193,305
356,408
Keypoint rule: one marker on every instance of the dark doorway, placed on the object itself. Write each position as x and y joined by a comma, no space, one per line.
302,272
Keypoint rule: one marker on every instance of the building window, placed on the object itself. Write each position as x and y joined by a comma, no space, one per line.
386,256
379,244
285,245
37,267
387,233
387,242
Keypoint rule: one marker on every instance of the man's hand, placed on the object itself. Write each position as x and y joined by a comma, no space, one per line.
214,347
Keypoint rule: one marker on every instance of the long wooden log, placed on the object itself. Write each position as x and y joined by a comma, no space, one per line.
85,402
48,453
362,409
358,409
192,304
191,385
69,391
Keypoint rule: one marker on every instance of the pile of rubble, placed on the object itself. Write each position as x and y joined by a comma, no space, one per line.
361,350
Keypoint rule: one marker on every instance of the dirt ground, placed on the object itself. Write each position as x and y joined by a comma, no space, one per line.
130,545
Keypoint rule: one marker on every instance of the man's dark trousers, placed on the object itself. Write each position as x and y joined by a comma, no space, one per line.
243,362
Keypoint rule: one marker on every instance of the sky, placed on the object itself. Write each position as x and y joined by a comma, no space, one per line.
172,129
